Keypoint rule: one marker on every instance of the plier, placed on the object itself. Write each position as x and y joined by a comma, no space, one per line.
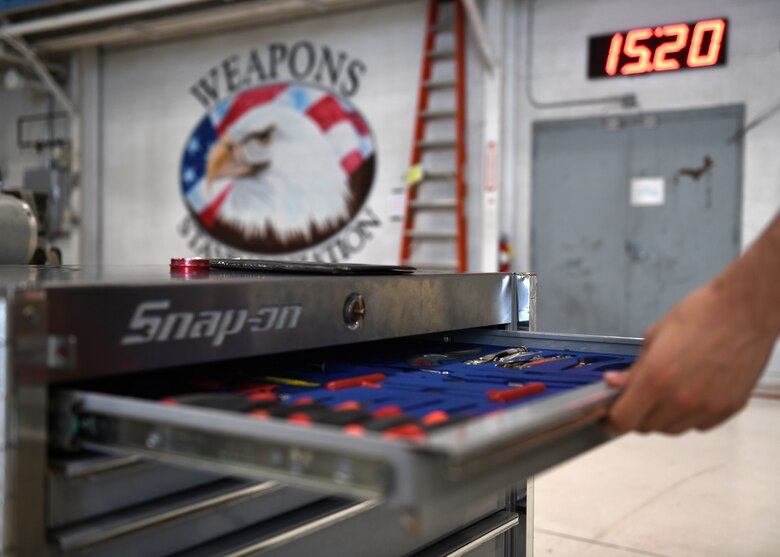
535,361
506,355
437,359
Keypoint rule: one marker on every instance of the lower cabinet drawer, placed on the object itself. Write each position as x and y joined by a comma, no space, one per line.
174,523
510,429
81,487
336,526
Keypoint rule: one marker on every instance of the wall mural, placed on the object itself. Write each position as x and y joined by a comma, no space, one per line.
284,167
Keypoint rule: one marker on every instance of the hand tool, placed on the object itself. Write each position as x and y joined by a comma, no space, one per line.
303,414
346,417
615,367
437,359
263,397
359,381
405,431
291,382
220,401
509,395
436,371
381,424
503,356
435,417
389,411
314,410
300,418
534,361
451,420
335,417
348,405
583,361
426,383
255,388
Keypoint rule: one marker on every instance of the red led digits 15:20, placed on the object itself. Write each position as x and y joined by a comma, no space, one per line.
660,49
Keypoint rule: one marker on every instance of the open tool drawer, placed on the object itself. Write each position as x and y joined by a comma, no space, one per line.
322,421
106,363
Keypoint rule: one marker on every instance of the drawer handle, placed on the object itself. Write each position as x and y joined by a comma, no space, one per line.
93,466
284,538
486,537
80,537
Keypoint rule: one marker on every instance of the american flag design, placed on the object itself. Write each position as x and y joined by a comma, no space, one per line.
304,167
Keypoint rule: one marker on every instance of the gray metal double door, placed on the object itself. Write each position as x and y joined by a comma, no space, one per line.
631,213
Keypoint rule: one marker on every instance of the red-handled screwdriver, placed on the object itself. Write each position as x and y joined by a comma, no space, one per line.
358,381
508,395
405,431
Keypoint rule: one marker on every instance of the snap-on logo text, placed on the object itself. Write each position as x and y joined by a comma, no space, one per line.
152,322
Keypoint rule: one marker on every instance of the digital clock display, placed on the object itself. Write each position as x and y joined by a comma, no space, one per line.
665,48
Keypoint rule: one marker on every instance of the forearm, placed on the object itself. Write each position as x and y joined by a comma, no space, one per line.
751,285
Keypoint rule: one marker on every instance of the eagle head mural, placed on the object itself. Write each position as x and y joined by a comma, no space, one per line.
278,168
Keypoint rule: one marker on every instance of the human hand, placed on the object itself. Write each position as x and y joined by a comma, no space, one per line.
697,367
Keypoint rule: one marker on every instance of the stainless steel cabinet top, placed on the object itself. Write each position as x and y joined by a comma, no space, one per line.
120,319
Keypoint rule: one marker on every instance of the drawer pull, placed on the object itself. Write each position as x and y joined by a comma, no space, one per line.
78,537
486,537
92,466
304,530
472,537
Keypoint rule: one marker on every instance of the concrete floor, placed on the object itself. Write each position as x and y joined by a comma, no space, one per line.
715,494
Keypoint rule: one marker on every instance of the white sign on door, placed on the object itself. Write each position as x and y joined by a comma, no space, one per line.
648,191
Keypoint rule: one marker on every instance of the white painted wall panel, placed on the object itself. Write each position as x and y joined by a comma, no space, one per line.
148,114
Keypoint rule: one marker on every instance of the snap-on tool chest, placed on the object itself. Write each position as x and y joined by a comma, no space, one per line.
152,412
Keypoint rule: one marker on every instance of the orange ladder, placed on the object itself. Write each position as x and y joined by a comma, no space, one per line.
450,195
